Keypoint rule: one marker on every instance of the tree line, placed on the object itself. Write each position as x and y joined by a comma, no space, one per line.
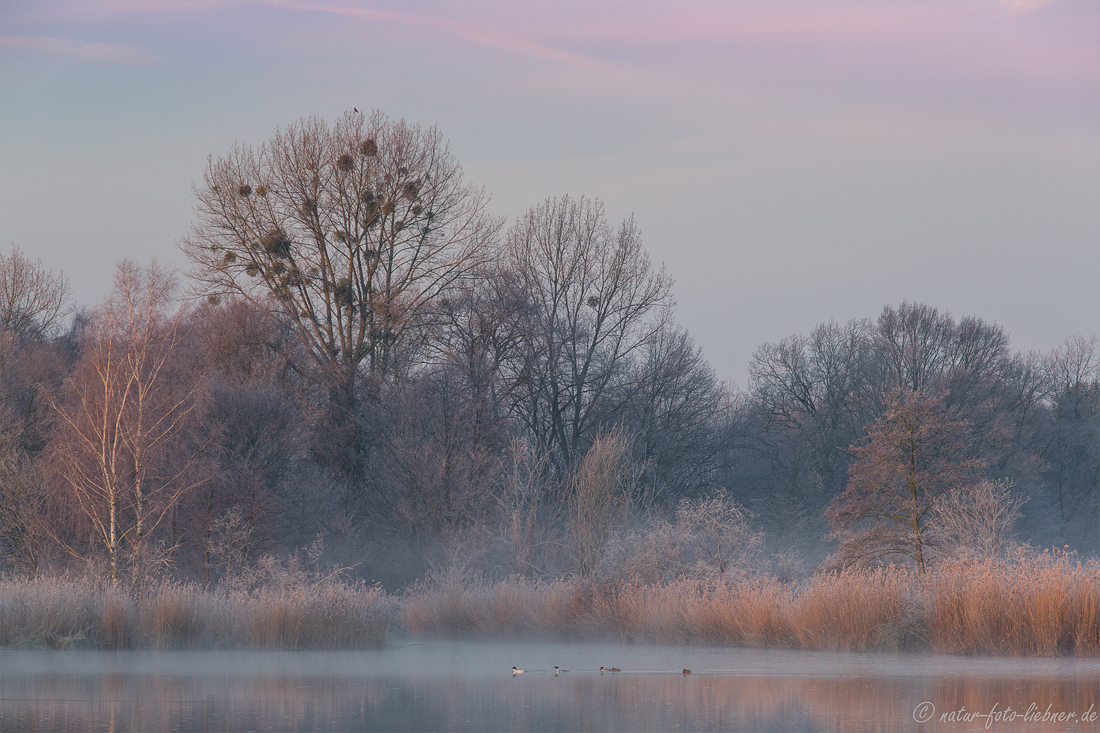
364,361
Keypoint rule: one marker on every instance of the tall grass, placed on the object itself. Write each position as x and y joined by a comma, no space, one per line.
460,604
66,613
1045,605
1038,606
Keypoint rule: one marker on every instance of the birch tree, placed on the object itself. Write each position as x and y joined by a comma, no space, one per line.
119,413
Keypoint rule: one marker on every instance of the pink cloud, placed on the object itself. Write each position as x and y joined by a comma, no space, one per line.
106,52
1024,6
69,10
508,41
1039,39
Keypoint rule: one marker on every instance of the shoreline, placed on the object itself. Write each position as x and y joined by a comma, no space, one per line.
1040,607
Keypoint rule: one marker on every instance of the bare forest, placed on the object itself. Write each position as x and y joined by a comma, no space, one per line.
365,385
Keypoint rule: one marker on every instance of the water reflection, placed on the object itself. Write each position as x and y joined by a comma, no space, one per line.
469,686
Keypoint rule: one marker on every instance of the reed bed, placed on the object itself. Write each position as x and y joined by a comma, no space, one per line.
460,604
877,609
1043,606
54,613
1046,605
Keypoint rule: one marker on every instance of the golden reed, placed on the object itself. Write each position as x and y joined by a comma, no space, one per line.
62,613
1045,605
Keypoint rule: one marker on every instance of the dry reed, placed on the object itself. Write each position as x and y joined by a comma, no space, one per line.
859,610
459,604
1037,606
1043,605
54,613
62,613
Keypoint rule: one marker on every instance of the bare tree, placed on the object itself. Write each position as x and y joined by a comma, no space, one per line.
247,441
975,522
811,398
33,300
1074,364
31,373
594,300
1072,452
720,531
120,412
811,395
914,454
678,412
913,344
229,544
23,500
919,348
440,465
33,303
353,229
448,427
478,334
243,343
248,438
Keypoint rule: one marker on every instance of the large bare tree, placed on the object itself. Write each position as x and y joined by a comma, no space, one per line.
593,301
353,228
810,395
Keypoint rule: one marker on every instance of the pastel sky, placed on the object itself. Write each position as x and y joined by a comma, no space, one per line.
789,162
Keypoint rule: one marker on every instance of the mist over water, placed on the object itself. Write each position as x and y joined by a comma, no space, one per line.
468,686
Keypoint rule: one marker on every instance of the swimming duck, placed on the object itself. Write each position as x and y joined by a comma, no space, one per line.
516,671
687,671
616,669
604,669
558,670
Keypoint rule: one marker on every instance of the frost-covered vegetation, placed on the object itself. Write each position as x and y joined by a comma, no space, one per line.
1036,605
287,608
1044,605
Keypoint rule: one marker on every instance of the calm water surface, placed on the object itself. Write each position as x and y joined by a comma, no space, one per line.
468,686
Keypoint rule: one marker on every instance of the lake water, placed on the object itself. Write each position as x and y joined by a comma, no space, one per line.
468,686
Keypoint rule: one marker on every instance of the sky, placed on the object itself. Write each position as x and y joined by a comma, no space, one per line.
788,162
